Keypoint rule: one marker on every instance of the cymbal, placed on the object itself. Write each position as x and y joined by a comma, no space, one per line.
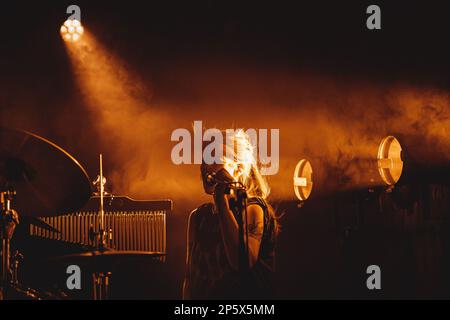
104,259
48,181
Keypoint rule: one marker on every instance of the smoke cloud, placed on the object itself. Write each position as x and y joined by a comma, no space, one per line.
330,121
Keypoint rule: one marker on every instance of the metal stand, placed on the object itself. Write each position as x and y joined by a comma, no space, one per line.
8,220
16,258
100,281
238,205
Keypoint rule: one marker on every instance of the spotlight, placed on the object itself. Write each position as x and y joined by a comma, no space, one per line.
383,170
71,30
381,165
390,164
303,179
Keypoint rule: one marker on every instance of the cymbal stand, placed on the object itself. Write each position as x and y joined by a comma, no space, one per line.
8,220
101,279
102,237
16,259
102,232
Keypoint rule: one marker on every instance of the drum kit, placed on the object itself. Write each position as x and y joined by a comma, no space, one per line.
39,178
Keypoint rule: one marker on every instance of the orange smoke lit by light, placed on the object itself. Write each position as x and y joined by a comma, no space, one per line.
130,130
330,122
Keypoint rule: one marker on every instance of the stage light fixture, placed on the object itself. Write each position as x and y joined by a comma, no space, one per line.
383,170
390,164
303,183
71,30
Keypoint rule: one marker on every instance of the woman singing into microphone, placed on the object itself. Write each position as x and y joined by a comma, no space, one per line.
212,259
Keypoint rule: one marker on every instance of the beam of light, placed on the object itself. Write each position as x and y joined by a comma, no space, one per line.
132,133
71,30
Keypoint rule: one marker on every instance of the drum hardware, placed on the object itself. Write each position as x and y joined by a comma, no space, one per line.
50,182
100,264
44,177
9,218
100,282
16,259
102,235
10,287
102,238
94,236
97,186
19,293
101,271
101,279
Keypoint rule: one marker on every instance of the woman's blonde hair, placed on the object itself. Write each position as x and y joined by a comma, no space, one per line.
240,156
240,161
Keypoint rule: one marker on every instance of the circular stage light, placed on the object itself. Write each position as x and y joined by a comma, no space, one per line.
390,164
303,183
71,30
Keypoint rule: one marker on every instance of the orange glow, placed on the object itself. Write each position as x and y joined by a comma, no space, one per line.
330,122
132,134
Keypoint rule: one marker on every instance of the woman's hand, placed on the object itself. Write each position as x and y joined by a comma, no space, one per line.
221,198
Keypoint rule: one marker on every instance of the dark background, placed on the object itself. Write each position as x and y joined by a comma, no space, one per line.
318,255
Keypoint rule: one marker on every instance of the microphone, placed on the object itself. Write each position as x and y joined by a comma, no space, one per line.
220,176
